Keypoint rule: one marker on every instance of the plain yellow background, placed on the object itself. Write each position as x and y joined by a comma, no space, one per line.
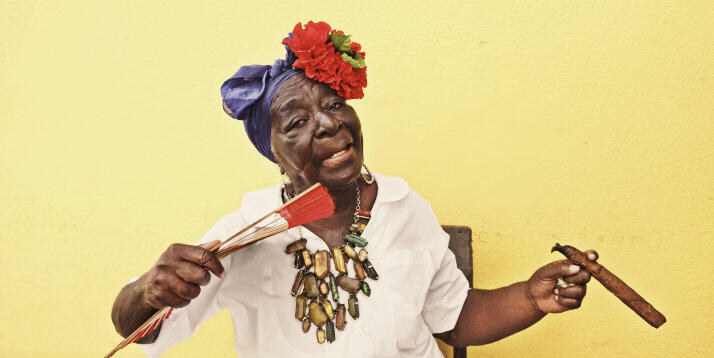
584,122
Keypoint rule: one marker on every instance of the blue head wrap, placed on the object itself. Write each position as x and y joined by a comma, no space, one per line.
247,96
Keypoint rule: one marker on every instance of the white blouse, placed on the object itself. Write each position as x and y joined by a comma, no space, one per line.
420,290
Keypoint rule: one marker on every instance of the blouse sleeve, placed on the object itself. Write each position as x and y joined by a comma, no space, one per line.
184,321
448,289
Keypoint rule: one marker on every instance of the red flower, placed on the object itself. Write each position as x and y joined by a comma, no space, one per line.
323,63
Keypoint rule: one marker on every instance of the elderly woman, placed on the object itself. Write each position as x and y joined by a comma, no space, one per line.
389,301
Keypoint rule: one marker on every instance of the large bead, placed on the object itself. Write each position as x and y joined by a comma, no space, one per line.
322,263
369,269
356,239
365,289
311,288
359,271
339,259
296,246
327,306
362,255
306,258
317,315
349,284
323,288
300,302
353,306
340,317
297,283
330,330
305,324
350,251
333,287
320,336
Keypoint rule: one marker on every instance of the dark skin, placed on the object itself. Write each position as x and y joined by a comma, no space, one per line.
316,137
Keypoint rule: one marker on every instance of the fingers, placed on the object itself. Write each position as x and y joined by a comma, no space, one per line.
569,303
159,296
192,273
557,269
592,255
200,256
575,292
579,278
184,289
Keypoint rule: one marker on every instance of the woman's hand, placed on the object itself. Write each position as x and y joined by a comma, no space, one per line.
547,298
175,278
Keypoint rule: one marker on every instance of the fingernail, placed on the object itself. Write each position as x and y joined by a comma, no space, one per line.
556,298
591,256
555,291
223,274
574,268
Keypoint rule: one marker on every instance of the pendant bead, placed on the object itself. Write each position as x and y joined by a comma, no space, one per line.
297,283
296,246
299,263
369,269
349,284
362,255
327,306
300,302
317,315
322,263
365,289
310,285
305,324
356,239
359,270
306,258
340,317
323,288
339,259
350,251
353,306
330,331
333,287
321,336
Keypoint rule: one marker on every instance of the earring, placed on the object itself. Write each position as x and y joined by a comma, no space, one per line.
368,177
285,183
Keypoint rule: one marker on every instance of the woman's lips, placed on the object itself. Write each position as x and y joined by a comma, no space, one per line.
339,157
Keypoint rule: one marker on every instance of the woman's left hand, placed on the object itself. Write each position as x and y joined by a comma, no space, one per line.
547,297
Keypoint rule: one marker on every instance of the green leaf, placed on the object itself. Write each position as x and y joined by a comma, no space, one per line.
354,59
341,41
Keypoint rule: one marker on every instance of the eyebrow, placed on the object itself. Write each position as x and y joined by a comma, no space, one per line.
289,105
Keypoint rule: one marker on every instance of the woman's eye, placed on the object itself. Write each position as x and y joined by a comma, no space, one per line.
297,123
336,105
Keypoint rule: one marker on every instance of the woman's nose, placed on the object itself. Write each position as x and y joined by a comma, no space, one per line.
328,126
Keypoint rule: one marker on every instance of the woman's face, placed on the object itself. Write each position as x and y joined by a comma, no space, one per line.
315,135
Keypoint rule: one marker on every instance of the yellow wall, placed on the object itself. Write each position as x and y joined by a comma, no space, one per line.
586,122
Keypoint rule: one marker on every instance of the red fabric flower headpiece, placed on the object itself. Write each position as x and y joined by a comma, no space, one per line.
328,56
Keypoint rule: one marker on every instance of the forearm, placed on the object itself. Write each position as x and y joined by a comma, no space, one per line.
490,315
130,310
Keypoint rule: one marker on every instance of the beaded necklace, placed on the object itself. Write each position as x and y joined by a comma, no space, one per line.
315,281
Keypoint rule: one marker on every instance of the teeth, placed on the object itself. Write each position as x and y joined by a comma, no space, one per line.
338,154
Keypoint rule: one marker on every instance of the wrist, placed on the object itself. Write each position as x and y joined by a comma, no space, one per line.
532,301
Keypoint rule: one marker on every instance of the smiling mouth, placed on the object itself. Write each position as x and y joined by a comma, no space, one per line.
339,157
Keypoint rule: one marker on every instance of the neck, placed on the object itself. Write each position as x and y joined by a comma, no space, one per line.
345,197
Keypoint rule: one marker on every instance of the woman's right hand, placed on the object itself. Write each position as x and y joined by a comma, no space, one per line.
178,274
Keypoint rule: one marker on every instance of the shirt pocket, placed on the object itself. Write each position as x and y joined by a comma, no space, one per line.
404,279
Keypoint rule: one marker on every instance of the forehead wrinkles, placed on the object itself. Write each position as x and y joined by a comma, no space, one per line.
295,90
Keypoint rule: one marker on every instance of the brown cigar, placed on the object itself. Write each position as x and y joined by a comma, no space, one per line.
613,284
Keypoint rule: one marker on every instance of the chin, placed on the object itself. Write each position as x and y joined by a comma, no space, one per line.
340,177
